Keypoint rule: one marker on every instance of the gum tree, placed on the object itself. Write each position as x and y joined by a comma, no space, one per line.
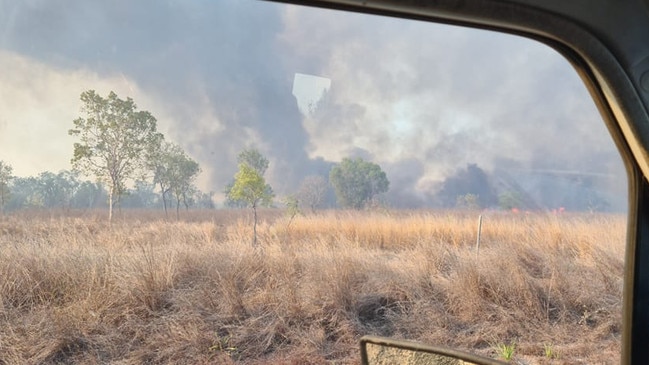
185,170
115,141
250,187
175,173
356,182
258,162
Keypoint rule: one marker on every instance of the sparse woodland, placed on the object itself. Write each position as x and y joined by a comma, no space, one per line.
149,290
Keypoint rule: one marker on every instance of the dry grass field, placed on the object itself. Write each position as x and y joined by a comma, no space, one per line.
145,290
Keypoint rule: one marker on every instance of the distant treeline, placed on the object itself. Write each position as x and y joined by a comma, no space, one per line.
66,190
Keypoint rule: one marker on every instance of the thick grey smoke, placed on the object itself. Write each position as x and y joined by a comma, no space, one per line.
448,97
419,99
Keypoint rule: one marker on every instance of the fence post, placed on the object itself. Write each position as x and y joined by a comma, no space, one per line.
477,243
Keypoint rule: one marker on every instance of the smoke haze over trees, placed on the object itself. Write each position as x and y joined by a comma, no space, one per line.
66,190
409,96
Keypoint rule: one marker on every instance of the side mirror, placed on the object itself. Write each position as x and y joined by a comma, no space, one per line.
384,351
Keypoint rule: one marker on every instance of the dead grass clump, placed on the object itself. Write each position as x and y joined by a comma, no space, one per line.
152,290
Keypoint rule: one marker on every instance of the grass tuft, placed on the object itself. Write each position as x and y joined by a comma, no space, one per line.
150,290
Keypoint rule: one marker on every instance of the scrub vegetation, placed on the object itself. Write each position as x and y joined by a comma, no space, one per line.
148,290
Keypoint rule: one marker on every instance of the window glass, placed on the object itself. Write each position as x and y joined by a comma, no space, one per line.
303,177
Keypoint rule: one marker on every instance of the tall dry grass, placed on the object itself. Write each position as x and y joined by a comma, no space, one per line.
149,290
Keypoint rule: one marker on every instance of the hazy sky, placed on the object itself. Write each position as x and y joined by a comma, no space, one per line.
419,99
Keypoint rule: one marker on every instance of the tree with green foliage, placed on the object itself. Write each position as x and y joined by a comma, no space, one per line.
6,175
174,173
184,171
356,182
115,141
250,187
253,158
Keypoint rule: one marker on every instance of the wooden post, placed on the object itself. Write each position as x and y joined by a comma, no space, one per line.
477,243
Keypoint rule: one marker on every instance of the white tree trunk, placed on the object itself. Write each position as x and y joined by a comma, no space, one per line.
110,204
